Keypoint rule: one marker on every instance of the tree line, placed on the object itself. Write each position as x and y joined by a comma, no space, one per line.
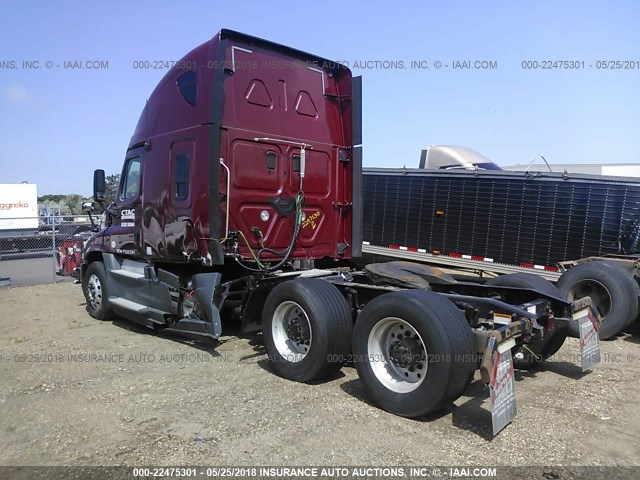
71,204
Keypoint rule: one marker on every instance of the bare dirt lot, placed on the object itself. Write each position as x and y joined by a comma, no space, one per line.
77,391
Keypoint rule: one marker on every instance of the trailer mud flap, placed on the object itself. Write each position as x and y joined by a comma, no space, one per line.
588,327
502,387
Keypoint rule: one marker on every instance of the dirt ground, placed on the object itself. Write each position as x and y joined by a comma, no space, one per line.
77,391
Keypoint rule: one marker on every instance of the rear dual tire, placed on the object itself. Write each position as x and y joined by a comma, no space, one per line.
414,352
307,326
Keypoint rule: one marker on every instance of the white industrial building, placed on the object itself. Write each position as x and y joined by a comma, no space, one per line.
615,169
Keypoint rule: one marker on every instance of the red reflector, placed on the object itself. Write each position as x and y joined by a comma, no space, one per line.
475,257
455,255
397,247
552,269
527,265
413,249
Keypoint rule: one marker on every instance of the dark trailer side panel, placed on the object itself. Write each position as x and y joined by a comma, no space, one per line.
510,217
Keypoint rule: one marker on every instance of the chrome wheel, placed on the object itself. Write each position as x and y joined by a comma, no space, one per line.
397,355
94,292
291,331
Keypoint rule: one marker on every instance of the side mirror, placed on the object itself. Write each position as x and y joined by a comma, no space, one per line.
99,186
88,207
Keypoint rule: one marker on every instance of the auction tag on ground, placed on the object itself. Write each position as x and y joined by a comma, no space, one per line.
589,340
502,391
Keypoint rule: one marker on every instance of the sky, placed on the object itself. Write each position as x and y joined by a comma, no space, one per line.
58,124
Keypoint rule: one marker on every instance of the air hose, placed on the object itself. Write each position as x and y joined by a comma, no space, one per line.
286,253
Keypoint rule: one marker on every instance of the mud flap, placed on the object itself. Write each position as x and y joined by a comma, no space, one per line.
204,284
588,327
502,387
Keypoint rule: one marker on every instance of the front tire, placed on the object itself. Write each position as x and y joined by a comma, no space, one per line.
94,286
414,352
307,326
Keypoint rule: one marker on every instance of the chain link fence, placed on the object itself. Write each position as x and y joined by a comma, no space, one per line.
41,250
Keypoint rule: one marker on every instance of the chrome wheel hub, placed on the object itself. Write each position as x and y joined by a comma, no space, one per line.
397,355
94,292
291,331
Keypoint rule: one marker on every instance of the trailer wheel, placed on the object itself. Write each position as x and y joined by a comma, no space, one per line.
528,280
613,291
414,351
95,291
307,327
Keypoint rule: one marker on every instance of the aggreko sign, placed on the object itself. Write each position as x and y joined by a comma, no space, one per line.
18,206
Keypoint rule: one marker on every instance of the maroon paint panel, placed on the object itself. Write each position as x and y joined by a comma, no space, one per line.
255,105
286,105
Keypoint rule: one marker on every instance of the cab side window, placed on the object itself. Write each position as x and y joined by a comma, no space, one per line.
131,179
187,84
182,176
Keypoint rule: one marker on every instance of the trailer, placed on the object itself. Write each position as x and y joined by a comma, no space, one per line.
241,200
459,210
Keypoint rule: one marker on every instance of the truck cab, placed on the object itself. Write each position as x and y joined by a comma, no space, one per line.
245,159
226,142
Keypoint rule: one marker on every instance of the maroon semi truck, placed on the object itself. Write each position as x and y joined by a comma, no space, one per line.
241,199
